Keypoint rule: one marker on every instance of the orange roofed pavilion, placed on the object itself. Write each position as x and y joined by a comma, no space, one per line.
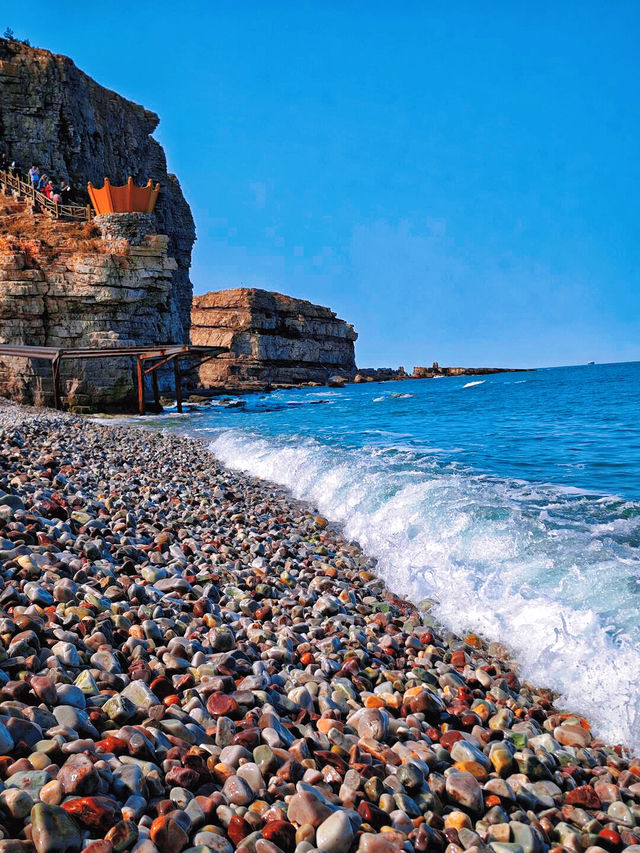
126,199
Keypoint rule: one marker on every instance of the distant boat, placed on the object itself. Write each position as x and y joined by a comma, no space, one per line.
591,362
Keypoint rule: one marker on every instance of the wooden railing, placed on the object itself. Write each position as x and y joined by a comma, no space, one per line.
11,183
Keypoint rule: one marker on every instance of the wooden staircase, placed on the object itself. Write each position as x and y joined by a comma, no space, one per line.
14,185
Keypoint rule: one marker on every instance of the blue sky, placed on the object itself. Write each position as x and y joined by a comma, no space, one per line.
458,180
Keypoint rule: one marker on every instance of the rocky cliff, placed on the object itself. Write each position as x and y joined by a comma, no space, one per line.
64,285
273,340
54,115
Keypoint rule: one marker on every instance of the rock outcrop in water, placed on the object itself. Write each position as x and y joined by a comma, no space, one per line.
54,115
273,340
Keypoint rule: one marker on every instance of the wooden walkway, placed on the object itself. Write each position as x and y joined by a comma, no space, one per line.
148,360
11,184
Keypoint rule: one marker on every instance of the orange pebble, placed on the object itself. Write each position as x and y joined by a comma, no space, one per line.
325,724
171,700
412,691
457,820
475,768
374,701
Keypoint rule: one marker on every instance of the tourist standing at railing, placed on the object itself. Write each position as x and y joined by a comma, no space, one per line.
65,192
34,177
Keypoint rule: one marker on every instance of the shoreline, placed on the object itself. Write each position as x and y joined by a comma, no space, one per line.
284,699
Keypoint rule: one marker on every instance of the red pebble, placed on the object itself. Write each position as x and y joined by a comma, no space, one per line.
584,796
447,739
281,833
612,837
238,829
221,705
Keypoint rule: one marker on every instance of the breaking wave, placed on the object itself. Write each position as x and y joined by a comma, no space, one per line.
552,572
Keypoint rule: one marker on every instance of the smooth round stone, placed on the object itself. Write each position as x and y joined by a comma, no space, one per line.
75,719
401,821
39,760
53,830
119,709
78,776
373,723
335,834
238,791
6,740
281,833
16,803
464,789
370,843
264,846
181,797
123,835
464,751
66,654
265,758
213,841
69,694
250,772
374,789
52,793
31,781
307,808
410,776
167,834
233,755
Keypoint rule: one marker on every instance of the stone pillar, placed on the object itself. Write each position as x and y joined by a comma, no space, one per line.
132,227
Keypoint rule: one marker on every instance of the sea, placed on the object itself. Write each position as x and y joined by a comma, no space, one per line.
511,502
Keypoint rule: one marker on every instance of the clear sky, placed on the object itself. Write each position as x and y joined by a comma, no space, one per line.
460,180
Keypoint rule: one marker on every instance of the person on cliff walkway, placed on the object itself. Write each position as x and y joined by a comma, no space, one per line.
65,192
4,161
34,177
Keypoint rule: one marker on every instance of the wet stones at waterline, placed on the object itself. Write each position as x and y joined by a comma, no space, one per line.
190,660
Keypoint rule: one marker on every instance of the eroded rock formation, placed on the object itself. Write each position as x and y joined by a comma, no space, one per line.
273,340
63,285
55,116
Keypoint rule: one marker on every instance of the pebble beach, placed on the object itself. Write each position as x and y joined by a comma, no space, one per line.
192,660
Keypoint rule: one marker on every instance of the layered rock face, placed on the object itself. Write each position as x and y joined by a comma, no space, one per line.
273,340
68,287
55,116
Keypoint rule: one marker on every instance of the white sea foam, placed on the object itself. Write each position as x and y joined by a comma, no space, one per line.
477,382
517,562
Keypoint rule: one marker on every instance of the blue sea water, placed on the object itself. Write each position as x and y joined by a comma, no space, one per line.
511,500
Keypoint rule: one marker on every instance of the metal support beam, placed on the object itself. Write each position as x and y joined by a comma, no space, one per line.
157,364
178,380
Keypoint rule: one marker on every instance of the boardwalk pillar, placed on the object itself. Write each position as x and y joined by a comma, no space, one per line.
156,391
140,385
176,373
55,370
